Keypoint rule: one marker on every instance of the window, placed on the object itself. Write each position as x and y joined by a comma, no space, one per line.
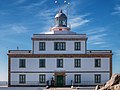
97,78
77,45
22,78
77,62
42,46
42,78
77,78
22,63
59,45
42,63
59,63
97,62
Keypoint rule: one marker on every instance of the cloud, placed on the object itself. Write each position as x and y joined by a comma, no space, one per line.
18,29
96,31
19,2
105,45
117,52
117,10
37,4
11,29
47,18
3,13
97,36
97,43
45,14
77,21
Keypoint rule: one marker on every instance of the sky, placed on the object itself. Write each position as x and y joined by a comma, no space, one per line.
20,19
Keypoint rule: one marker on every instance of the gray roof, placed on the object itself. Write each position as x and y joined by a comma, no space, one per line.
60,14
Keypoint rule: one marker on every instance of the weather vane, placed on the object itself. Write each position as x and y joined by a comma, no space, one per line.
62,4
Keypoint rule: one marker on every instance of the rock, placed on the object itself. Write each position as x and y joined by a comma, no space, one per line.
112,84
97,87
116,87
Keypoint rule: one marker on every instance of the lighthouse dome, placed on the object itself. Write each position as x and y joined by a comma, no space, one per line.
60,14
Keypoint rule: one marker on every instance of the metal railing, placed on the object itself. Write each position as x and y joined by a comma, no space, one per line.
99,51
19,51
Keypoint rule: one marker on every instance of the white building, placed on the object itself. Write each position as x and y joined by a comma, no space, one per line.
59,58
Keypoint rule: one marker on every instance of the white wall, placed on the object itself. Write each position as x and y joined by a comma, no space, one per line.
31,78
50,47
87,64
86,78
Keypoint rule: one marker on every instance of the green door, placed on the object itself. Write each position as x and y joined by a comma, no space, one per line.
60,80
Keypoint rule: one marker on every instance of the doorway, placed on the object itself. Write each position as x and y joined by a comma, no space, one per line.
60,80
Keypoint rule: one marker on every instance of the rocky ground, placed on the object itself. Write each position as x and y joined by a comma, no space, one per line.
112,84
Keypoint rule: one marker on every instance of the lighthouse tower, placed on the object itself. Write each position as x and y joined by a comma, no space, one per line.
60,22
61,26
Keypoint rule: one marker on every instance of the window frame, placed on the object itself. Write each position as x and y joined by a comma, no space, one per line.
77,46
77,78
77,63
97,63
42,78
22,63
22,78
59,46
97,78
42,46
59,63
43,61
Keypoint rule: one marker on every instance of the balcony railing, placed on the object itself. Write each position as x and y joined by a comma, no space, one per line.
19,52
99,51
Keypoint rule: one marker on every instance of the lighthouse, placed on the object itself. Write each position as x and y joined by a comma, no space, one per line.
59,58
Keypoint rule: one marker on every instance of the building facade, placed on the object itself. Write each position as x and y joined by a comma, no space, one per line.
59,58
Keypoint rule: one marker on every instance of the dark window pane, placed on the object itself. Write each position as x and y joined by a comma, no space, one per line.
42,63
42,46
97,78
77,78
42,78
77,62
59,63
59,45
77,45
22,78
97,62
22,63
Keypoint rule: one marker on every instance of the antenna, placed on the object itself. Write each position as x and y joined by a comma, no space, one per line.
67,4
17,48
61,4
58,4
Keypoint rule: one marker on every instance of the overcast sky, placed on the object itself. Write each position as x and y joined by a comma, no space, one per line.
20,19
